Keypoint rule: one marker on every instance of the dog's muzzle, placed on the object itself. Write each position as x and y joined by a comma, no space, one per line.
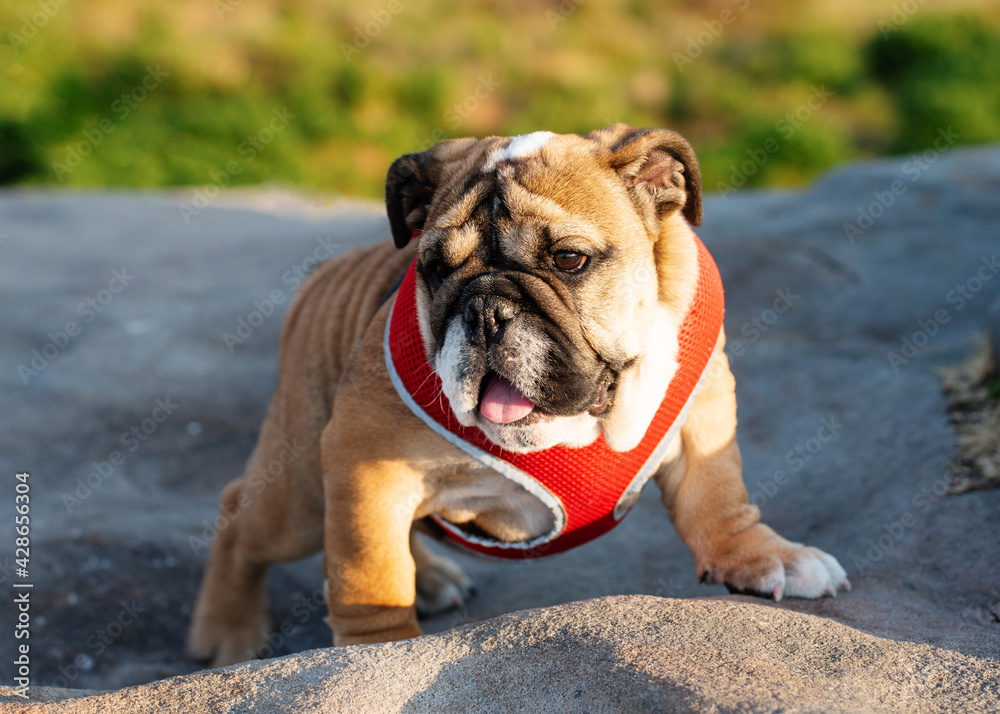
486,318
514,362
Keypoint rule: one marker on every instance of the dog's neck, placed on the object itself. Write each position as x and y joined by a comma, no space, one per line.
676,253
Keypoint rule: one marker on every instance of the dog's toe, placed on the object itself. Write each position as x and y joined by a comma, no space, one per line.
442,586
811,573
760,562
222,644
239,648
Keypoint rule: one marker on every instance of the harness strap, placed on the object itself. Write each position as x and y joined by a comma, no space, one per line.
590,489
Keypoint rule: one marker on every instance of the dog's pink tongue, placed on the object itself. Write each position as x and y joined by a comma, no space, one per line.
503,402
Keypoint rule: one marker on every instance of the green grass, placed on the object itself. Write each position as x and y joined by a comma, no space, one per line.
432,70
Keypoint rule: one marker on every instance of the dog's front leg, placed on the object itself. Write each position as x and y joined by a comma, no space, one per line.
707,500
370,574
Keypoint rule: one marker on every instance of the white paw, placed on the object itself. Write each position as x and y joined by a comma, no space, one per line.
442,586
760,562
812,573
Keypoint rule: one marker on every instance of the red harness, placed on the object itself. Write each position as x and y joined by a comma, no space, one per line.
589,490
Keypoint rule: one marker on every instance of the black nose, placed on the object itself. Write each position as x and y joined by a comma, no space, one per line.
486,316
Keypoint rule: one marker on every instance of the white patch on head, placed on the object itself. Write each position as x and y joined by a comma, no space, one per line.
525,145
518,148
640,390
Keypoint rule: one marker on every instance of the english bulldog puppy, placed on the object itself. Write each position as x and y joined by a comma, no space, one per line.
555,341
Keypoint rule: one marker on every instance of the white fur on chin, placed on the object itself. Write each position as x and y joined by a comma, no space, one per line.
462,391
638,395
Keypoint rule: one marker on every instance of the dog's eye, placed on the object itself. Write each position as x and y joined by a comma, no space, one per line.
436,273
568,261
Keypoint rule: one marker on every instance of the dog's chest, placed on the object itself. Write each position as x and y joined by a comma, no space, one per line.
586,490
489,502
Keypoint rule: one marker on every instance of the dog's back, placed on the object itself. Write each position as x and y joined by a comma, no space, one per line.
325,323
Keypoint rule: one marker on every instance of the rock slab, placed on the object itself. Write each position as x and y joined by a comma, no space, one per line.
836,325
616,654
994,333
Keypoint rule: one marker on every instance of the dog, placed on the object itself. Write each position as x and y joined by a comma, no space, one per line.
548,305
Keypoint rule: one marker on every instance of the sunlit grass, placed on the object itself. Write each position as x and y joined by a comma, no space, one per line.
367,81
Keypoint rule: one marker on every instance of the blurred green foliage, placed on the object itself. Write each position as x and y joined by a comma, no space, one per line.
192,92
941,72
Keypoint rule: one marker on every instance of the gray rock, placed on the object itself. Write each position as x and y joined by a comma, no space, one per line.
993,327
117,549
616,654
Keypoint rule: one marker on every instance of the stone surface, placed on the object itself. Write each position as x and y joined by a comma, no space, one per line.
617,654
833,338
994,332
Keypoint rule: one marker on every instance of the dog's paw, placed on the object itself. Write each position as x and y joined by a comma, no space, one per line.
760,562
441,586
223,642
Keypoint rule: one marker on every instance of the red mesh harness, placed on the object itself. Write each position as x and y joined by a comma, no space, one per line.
589,490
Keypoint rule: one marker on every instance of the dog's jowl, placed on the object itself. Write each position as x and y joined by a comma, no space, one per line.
555,341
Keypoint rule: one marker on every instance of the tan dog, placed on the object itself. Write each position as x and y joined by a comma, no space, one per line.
553,271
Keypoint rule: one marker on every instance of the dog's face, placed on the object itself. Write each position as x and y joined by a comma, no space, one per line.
540,278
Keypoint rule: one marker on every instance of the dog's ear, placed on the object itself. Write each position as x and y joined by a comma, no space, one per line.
409,188
658,166
413,180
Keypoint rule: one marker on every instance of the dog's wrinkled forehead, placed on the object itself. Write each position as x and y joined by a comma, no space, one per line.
613,174
524,186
